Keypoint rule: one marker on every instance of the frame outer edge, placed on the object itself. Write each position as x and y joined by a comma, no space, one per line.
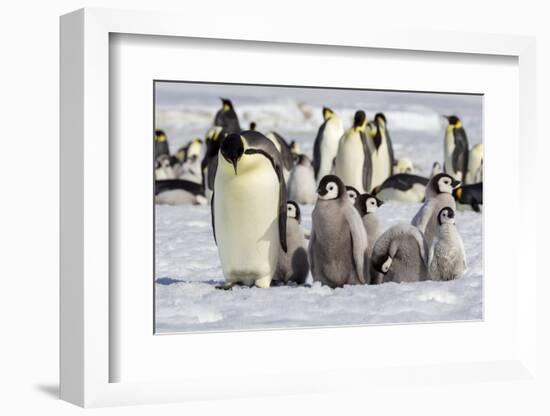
71,217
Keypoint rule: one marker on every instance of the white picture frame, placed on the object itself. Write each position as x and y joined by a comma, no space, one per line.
87,356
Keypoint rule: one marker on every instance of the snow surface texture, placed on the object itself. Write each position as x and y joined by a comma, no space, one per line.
187,264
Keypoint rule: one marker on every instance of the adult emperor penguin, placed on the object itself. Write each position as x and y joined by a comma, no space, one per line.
367,205
438,195
161,144
403,187
326,143
447,260
338,240
455,149
353,194
284,148
301,184
381,150
469,196
249,209
353,161
179,192
475,165
293,265
226,117
400,255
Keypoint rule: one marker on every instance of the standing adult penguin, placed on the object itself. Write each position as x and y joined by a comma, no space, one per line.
161,144
367,205
475,165
447,260
400,255
438,195
226,117
381,150
455,149
249,209
338,241
301,184
353,161
293,265
326,143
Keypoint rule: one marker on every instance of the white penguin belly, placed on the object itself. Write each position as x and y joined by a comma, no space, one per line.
301,186
329,149
246,220
381,168
349,163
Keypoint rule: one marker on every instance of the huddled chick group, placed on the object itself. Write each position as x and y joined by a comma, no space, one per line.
256,182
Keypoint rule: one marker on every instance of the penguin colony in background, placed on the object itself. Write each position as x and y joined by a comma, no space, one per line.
256,182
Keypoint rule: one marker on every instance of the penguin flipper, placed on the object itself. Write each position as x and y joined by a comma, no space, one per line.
317,150
213,218
367,163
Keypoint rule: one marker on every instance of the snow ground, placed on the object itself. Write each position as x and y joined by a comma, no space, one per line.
187,264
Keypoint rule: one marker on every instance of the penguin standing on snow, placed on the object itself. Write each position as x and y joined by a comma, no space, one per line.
293,265
403,187
475,165
447,260
353,161
381,150
367,205
226,117
161,144
338,241
326,143
400,255
249,209
439,194
301,184
455,149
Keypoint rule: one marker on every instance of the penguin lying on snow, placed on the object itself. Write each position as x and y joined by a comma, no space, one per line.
338,241
293,265
400,255
301,183
438,195
402,187
164,168
447,260
367,205
249,209
179,192
469,196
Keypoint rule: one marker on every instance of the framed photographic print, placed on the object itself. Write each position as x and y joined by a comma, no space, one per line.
252,215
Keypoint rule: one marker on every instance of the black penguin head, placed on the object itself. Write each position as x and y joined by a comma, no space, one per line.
226,104
160,136
444,183
446,216
327,113
232,148
367,204
380,118
252,126
353,193
293,211
331,187
453,121
360,119
382,264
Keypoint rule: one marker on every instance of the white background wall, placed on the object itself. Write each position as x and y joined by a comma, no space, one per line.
29,209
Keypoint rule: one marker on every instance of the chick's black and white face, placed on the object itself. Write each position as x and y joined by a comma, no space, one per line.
446,216
445,184
371,205
352,194
330,191
291,211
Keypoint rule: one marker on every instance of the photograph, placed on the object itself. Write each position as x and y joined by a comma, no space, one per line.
285,207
